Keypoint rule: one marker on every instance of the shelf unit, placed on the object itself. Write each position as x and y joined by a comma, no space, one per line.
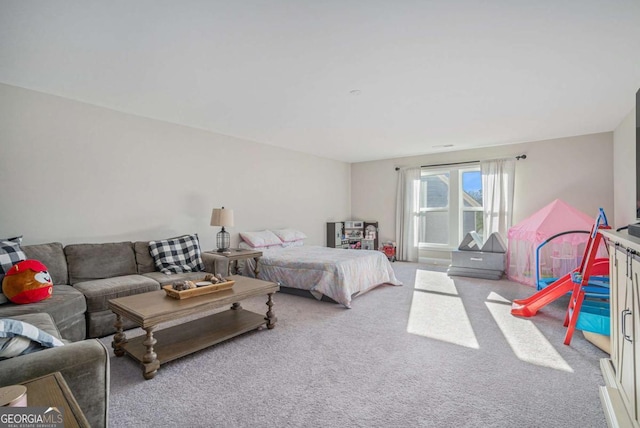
335,235
354,234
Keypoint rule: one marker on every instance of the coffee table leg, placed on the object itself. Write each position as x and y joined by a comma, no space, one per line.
270,318
236,306
150,359
119,339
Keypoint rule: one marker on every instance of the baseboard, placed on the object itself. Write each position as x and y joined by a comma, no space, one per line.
434,261
613,406
608,373
614,410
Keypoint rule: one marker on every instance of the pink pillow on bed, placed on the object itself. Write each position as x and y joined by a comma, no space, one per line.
289,235
264,238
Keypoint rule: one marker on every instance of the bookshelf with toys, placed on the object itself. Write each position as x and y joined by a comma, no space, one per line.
353,234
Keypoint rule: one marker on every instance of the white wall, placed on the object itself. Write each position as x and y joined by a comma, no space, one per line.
578,170
73,172
624,170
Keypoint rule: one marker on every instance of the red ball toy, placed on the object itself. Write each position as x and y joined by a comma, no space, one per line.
27,281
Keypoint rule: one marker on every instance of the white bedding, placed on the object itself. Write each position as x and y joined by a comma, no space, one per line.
336,273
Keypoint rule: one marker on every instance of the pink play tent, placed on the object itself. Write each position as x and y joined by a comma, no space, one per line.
559,256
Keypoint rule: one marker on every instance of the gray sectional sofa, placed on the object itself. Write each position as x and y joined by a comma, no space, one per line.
86,276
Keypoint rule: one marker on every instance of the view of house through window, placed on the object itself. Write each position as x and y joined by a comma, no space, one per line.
450,206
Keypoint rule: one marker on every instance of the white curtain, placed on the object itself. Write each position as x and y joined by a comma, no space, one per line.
498,178
407,205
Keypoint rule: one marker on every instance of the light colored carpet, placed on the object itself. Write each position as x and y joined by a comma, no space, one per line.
438,354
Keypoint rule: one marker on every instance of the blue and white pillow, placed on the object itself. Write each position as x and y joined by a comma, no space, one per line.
19,338
177,255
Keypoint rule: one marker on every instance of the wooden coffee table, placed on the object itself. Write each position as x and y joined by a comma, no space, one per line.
148,310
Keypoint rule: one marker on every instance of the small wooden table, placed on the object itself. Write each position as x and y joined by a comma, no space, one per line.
52,391
236,254
150,309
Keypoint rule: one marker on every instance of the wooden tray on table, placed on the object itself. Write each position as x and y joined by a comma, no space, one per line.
198,291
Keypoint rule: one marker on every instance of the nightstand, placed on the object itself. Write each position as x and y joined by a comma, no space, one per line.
236,254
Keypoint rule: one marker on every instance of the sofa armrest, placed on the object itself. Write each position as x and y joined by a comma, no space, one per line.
215,263
84,366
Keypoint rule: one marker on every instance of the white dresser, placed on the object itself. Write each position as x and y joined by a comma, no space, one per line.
620,396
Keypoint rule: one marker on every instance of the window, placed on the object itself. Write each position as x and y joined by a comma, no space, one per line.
450,206
471,207
434,208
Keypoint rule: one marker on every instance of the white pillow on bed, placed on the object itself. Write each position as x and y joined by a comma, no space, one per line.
260,239
299,243
245,246
289,235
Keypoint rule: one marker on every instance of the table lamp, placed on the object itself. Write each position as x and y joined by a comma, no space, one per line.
222,217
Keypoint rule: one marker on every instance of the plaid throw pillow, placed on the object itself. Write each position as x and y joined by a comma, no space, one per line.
10,254
177,255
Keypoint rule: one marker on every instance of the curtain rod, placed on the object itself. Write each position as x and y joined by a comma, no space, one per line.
459,163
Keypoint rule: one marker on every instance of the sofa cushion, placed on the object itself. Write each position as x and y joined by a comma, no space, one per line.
10,254
64,305
143,257
165,279
88,262
52,256
98,292
177,255
41,320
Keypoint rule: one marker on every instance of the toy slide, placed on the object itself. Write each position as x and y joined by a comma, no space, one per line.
530,306
588,279
561,287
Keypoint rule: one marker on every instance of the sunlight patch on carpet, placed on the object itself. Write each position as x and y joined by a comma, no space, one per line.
435,281
526,341
497,298
438,313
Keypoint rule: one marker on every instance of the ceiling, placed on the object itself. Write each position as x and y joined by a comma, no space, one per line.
346,80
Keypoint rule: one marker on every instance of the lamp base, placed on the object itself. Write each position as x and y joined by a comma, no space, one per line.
223,241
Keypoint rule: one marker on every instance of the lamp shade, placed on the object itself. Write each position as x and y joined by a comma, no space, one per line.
222,217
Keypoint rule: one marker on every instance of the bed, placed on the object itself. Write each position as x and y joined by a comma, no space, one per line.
338,274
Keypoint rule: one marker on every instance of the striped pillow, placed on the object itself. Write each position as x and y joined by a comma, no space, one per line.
19,338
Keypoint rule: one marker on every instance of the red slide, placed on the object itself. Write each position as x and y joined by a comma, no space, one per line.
564,285
529,307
